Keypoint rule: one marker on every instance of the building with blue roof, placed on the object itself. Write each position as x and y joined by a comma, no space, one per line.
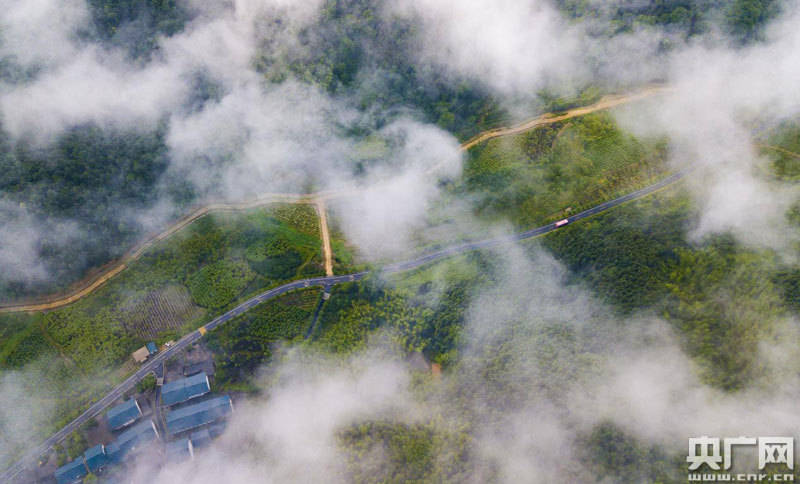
193,416
124,414
179,450
72,472
132,439
201,438
216,429
96,458
151,348
185,389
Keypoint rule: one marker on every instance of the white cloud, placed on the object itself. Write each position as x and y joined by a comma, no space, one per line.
719,94
20,236
95,87
514,46
293,436
541,365
41,32
390,205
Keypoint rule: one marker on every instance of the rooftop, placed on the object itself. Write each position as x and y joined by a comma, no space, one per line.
140,355
185,389
202,413
124,414
206,366
180,449
96,457
72,472
141,433
201,438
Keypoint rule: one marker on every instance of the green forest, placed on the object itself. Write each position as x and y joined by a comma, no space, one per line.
744,20
135,24
635,258
721,298
83,181
90,173
354,53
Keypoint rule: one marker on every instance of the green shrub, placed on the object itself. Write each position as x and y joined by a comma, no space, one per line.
148,383
219,283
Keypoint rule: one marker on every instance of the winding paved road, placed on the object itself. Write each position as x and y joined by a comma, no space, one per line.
90,284
149,366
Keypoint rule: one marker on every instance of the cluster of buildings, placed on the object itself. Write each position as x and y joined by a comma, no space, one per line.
192,420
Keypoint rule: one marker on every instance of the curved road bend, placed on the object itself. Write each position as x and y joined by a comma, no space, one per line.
86,287
150,365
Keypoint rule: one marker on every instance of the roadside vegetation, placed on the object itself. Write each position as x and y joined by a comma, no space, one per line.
722,299
199,272
245,344
558,170
72,355
635,258
781,146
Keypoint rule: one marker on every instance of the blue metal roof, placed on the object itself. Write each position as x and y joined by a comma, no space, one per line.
123,414
115,454
184,389
152,348
180,449
201,438
72,472
141,433
193,416
96,458
216,429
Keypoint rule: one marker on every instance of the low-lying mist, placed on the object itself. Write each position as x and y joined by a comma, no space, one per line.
239,102
242,115
543,368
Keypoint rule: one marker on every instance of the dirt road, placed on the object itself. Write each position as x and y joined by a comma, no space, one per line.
90,284
606,102
326,236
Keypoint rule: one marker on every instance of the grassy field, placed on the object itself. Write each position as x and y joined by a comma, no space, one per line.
73,355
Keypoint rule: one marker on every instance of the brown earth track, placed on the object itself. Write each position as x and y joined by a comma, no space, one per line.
89,284
605,103
325,235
